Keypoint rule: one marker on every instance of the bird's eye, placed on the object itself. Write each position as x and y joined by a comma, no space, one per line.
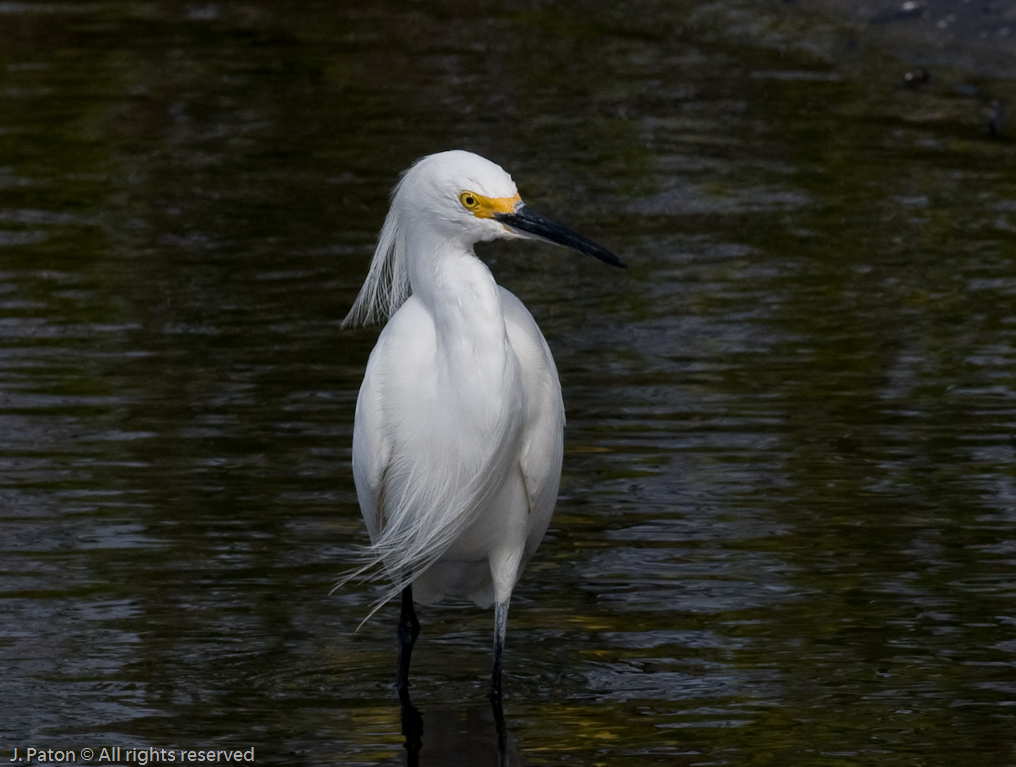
469,201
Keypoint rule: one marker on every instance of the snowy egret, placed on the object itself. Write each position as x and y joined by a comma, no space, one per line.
457,441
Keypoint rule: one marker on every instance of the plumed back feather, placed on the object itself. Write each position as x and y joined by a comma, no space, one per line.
387,285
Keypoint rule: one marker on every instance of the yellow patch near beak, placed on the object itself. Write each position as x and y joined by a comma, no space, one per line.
488,207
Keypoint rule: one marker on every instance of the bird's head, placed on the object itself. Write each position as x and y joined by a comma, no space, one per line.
472,199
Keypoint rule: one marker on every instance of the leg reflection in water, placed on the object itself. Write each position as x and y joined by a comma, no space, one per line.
456,736
412,727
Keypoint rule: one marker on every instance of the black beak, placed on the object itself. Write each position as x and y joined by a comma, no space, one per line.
525,220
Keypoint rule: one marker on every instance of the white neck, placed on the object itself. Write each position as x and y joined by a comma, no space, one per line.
460,293
476,369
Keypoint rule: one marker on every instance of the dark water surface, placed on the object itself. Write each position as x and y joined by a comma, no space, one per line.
787,529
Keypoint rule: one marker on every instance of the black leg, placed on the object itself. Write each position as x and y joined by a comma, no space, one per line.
412,722
409,630
500,632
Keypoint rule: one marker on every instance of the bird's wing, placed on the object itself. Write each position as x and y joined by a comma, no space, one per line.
543,436
404,346
372,449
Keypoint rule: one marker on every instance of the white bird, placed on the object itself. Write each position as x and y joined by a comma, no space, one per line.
457,442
